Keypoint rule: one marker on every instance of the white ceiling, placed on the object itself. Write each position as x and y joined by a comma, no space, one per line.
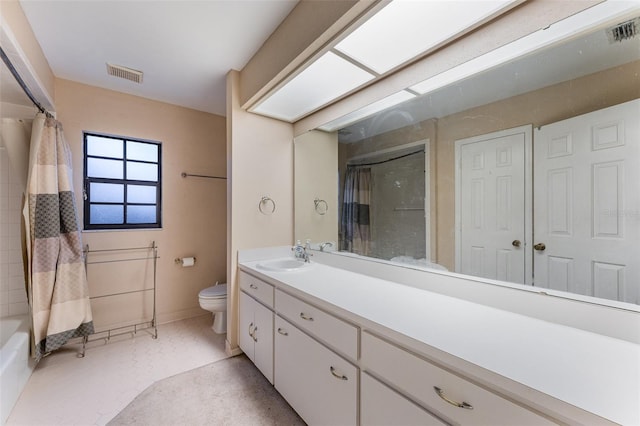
185,48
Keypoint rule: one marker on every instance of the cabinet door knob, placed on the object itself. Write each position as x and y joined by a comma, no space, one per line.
462,404
255,338
281,331
305,317
336,375
250,330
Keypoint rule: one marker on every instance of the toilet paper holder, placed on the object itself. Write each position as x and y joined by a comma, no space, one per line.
185,261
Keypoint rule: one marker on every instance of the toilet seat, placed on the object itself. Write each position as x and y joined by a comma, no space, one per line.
214,292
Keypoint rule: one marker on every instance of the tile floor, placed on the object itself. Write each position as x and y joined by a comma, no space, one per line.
67,390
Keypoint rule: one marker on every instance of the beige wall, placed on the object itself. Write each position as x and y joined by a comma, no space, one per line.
193,209
260,159
316,154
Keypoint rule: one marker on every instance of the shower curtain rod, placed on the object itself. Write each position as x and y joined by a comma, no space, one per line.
22,84
386,161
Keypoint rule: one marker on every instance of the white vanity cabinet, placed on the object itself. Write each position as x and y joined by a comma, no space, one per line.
447,395
319,384
352,349
256,324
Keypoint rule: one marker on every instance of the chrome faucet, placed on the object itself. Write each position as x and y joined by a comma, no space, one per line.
323,245
300,252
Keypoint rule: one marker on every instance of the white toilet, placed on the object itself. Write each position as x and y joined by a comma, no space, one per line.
214,299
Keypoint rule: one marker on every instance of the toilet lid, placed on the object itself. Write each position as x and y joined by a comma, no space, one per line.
214,292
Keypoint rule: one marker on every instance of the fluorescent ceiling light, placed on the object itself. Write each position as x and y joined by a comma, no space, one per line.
368,110
405,29
559,32
325,80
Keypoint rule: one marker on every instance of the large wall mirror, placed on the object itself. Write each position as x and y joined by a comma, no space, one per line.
526,172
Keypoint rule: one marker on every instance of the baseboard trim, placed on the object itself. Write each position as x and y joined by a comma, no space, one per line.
181,315
231,351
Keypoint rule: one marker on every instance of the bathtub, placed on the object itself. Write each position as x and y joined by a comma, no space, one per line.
15,364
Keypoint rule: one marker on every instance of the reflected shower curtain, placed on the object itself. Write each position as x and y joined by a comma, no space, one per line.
354,220
56,276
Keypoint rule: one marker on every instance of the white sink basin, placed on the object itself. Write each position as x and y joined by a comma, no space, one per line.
282,265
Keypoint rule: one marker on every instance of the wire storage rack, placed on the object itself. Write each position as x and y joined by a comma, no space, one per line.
132,329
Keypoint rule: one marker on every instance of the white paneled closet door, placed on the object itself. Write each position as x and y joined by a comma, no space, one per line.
493,222
587,204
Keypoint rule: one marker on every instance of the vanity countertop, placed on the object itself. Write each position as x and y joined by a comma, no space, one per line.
594,372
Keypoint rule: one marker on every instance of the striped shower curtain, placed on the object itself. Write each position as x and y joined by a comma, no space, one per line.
56,276
354,220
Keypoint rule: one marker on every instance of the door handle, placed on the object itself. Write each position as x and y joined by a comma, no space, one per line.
540,247
516,243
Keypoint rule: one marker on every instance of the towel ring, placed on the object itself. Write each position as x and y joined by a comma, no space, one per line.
321,206
263,202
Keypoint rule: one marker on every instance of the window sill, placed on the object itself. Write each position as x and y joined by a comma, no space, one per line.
91,231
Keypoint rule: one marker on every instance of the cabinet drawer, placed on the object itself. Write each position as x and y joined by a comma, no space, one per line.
418,378
257,289
340,335
380,405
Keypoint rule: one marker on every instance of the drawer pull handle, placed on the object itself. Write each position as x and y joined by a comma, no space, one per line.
462,404
250,330
281,331
305,317
255,338
336,375
253,286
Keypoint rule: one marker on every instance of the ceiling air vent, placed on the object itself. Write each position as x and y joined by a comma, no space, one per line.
124,72
623,31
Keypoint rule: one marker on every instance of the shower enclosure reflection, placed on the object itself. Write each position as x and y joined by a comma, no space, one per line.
385,202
